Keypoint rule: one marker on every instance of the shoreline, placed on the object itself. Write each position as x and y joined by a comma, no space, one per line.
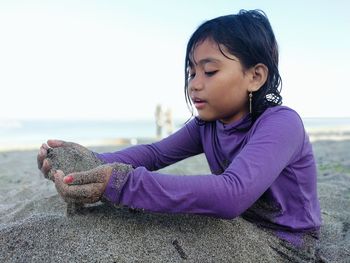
314,136
87,143
29,135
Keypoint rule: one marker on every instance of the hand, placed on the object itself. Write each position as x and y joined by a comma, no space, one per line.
83,187
45,164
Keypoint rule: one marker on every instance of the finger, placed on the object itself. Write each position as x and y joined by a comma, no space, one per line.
87,177
87,193
78,147
46,167
41,155
56,143
45,146
61,187
90,200
61,143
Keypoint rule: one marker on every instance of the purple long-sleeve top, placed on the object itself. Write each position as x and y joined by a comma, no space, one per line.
266,173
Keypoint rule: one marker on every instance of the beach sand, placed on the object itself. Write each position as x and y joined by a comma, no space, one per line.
34,226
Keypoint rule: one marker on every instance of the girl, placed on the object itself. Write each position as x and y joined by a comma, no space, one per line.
261,160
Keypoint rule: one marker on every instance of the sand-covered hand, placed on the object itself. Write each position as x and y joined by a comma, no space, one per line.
83,187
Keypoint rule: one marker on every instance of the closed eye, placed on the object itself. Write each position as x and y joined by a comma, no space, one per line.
210,73
191,76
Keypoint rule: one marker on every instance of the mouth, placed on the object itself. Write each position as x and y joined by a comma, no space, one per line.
199,103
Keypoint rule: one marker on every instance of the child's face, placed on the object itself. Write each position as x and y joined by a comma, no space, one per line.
218,86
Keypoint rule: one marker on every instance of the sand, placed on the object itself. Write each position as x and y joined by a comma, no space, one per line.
34,226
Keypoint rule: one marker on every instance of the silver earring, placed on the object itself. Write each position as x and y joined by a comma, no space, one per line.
250,102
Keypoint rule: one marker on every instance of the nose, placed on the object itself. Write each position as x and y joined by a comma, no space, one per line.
195,84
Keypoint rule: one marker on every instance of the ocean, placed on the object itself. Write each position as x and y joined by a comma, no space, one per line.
25,134
28,133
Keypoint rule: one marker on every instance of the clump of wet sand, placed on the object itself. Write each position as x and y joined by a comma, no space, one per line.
70,159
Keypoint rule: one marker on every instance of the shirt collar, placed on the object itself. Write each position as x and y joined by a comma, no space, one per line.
241,124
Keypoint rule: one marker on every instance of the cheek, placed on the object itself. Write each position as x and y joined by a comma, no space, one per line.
236,86
231,95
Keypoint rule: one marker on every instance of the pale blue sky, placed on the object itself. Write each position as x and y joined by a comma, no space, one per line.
117,59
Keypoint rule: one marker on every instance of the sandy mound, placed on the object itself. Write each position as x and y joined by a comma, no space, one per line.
34,226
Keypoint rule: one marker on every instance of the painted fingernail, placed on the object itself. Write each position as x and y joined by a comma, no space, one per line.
68,179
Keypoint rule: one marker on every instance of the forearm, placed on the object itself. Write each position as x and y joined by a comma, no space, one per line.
176,194
139,155
178,146
150,156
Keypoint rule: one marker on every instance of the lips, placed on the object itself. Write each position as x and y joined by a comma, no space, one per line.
199,103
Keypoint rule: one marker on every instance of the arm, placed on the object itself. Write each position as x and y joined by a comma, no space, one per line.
275,141
178,146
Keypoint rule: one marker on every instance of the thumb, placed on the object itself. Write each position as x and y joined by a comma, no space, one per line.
55,143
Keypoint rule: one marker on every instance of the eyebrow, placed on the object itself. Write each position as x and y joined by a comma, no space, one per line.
204,61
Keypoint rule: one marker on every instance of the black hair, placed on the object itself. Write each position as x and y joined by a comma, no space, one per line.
248,36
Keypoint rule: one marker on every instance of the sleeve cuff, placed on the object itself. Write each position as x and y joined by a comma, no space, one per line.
120,175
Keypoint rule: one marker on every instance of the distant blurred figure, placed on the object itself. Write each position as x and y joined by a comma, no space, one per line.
169,124
159,121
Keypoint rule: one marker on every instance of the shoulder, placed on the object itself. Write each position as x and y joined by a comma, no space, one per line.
280,123
282,129
280,116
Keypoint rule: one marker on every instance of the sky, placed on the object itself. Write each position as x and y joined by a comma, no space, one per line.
116,60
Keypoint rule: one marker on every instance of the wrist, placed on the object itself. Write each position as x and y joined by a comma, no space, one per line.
119,176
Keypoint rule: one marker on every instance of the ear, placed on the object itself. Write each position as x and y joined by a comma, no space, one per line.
258,76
